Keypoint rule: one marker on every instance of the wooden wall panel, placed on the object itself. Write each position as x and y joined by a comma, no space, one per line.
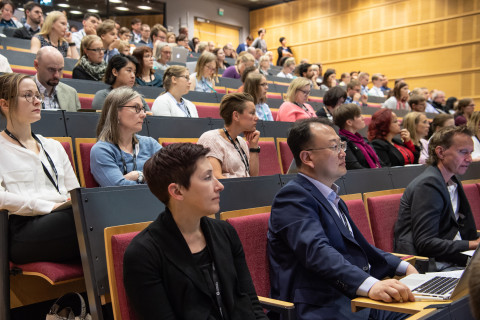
433,43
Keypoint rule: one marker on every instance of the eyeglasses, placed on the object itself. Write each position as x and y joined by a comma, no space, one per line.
29,96
342,146
97,50
185,76
264,84
305,92
210,68
138,108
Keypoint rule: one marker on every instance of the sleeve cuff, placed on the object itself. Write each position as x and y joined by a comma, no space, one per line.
366,286
402,268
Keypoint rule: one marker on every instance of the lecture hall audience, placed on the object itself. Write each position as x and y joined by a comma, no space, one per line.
229,154
171,103
120,153
91,65
36,177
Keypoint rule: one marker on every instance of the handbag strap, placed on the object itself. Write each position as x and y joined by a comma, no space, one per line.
68,297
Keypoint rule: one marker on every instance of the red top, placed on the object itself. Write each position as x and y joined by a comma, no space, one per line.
407,151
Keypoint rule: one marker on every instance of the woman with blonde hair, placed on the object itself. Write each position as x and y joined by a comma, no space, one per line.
54,33
119,154
176,81
36,177
418,125
124,47
264,65
474,125
295,106
230,155
203,79
91,65
171,37
244,60
288,68
257,86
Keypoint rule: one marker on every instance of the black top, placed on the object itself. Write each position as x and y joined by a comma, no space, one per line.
355,159
279,51
389,155
23,33
162,280
80,73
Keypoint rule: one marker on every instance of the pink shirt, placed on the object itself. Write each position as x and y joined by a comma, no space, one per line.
290,112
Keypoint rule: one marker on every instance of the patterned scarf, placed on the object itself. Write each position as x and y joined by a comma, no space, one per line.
95,70
367,150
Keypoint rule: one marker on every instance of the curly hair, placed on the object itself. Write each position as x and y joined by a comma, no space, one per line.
379,127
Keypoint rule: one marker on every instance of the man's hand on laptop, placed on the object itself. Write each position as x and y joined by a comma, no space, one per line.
390,290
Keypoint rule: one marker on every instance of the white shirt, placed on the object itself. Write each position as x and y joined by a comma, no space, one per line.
49,101
376,92
453,192
24,187
476,148
166,105
285,75
77,37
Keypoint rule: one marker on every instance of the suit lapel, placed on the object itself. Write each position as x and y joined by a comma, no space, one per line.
176,249
327,206
446,193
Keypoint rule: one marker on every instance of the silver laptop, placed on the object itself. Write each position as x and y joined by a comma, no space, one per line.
179,54
437,286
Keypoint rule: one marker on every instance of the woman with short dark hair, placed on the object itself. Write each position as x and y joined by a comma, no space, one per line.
360,154
145,75
121,70
283,50
331,100
185,265
229,154
119,154
391,151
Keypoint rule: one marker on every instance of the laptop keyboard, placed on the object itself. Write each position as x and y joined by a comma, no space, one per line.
437,285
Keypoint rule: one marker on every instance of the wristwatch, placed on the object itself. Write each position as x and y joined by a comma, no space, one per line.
257,149
140,179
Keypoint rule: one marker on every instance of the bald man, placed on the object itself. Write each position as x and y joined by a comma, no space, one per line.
49,65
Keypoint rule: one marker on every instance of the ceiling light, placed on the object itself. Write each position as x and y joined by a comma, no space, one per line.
75,12
63,5
122,8
93,10
20,9
144,7
116,1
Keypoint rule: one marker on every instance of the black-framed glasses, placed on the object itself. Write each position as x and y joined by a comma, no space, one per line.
342,146
138,108
305,92
264,84
30,95
97,50
184,76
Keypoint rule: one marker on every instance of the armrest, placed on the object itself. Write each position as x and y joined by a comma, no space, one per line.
285,308
4,267
419,262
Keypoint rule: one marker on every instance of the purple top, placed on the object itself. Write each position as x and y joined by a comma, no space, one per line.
231,72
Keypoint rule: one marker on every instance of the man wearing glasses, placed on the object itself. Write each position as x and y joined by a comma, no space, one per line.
319,259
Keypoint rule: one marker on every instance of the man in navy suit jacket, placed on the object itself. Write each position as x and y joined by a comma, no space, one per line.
319,260
244,46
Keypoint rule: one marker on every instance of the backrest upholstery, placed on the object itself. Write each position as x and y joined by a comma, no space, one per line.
472,191
83,147
268,157
383,212
284,154
356,208
252,231
207,111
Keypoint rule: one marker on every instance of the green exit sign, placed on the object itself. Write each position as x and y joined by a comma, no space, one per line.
220,12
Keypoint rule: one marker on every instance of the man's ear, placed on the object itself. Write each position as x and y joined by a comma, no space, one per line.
305,157
175,192
35,64
440,151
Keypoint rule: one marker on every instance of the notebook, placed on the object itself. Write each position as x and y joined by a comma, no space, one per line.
439,285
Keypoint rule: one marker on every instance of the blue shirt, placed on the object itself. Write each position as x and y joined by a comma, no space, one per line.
263,112
203,85
106,161
109,54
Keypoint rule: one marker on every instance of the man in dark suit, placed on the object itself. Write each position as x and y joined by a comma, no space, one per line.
435,219
33,16
244,46
319,260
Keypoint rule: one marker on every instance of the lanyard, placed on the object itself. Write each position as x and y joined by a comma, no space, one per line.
217,289
124,163
47,173
304,109
182,105
208,85
240,151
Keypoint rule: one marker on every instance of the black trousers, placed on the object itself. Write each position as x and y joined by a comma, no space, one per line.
49,238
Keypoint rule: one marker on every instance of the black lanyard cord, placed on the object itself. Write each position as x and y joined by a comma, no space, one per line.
240,151
124,163
47,173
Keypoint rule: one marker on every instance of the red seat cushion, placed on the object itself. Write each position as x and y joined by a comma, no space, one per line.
472,191
383,211
268,159
120,243
86,102
285,155
68,150
274,113
205,111
85,149
56,272
358,214
252,231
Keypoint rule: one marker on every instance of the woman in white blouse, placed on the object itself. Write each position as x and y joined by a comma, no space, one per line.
170,103
35,179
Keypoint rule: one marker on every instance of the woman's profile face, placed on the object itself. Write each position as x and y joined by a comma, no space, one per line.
422,126
148,60
125,76
332,80
129,119
394,125
301,95
358,123
171,38
221,55
209,69
404,93
203,195
247,119
183,82
28,105
263,88
265,64
60,26
93,52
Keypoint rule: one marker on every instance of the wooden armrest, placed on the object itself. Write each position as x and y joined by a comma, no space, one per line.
419,262
287,309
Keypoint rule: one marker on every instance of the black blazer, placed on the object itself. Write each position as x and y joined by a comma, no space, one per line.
80,73
355,159
426,223
23,33
389,155
162,280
